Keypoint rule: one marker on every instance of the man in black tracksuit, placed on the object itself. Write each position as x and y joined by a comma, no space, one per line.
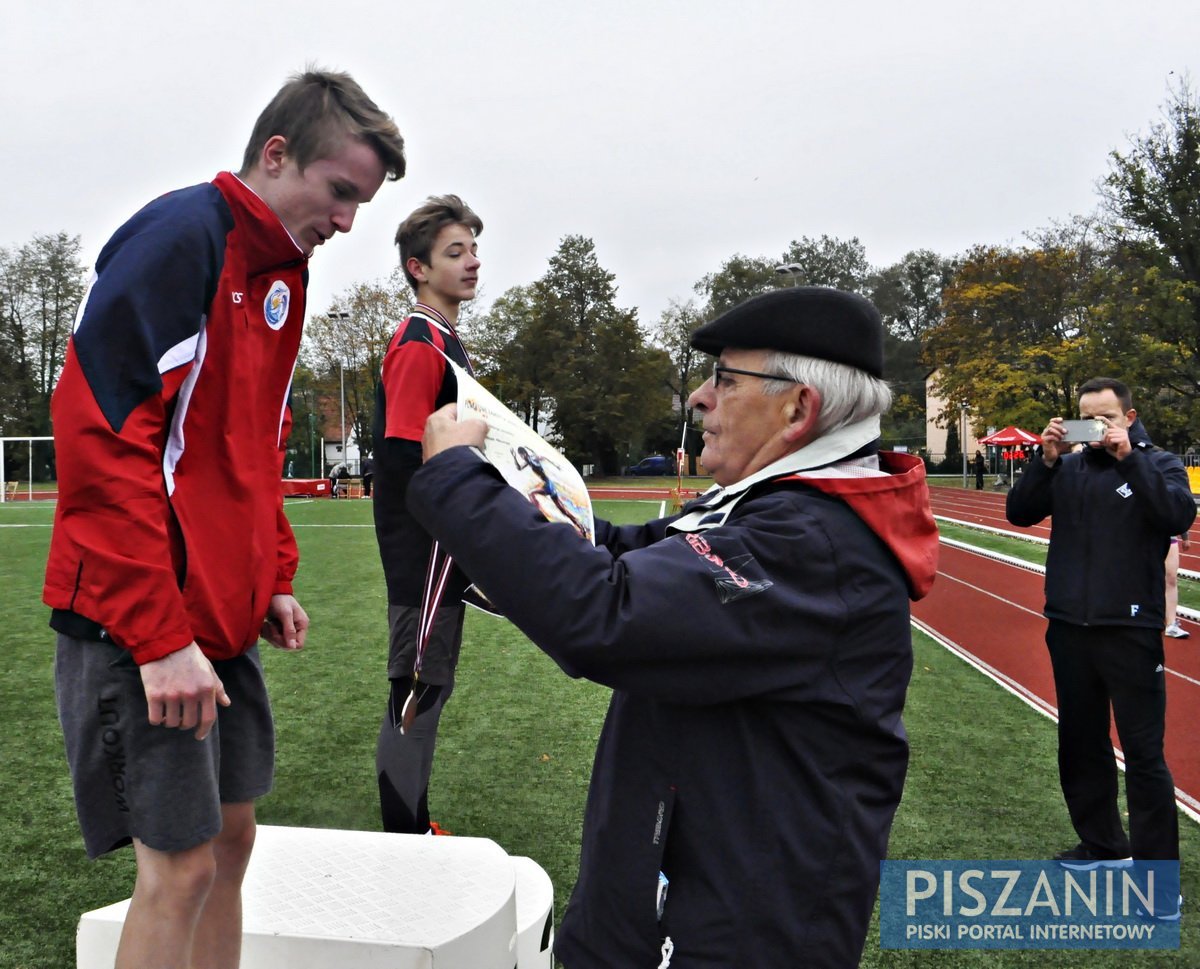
1115,507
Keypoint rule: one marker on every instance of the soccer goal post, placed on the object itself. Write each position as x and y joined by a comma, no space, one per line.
27,469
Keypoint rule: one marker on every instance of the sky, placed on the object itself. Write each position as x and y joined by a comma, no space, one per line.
673,133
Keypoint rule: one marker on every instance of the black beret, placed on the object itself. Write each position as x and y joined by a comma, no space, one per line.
811,320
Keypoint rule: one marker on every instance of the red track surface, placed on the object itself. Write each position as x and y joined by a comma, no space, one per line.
992,611
37,496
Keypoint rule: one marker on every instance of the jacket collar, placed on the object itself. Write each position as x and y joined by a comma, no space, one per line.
822,456
268,244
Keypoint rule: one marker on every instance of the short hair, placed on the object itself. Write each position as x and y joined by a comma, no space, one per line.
848,395
419,231
316,111
1099,384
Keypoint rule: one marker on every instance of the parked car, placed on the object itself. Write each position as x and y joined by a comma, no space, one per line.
654,465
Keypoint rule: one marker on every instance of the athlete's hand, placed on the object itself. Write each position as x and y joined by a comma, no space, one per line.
286,625
183,690
444,430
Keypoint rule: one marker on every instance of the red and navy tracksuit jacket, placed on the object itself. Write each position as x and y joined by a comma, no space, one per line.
170,419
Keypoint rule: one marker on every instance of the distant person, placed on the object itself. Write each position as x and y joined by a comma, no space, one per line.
979,470
1113,508
337,473
1173,629
168,559
757,645
368,476
439,255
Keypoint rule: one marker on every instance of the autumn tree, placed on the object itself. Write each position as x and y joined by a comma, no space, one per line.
1152,203
608,385
41,286
516,352
345,346
1012,342
739,278
689,367
304,458
16,383
1152,192
828,261
908,295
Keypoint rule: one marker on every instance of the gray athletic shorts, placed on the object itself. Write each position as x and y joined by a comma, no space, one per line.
157,784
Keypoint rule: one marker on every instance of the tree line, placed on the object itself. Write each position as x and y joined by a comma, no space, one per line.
1010,330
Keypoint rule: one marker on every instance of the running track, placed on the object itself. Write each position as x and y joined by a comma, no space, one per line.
990,613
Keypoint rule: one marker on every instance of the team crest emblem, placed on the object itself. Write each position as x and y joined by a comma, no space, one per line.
275,306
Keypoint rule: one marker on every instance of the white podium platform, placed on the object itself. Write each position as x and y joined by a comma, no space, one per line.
315,898
535,915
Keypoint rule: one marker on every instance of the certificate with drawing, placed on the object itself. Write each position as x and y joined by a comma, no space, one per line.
526,461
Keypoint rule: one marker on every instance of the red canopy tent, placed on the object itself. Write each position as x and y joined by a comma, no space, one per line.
1010,436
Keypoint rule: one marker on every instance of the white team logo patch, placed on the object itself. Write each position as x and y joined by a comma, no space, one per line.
275,306
1125,491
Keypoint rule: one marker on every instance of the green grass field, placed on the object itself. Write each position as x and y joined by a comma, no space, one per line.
514,754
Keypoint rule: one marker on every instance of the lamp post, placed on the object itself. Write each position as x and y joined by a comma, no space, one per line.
342,315
793,269
312,445
963,440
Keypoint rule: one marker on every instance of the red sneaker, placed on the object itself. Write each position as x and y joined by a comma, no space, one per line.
435,828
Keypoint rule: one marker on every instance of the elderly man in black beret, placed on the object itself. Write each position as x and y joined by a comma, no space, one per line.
757,645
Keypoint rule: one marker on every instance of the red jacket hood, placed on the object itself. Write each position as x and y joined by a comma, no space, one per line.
895,506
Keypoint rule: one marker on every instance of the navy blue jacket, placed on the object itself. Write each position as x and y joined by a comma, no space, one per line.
1111,524
753,749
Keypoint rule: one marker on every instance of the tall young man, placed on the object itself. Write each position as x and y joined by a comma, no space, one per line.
425,612
171,553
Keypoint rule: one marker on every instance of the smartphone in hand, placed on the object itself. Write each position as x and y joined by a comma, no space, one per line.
1085,431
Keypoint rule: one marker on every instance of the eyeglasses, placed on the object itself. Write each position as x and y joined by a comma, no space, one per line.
718,370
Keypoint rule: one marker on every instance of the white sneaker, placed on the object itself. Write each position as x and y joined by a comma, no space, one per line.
1171,915
1175,632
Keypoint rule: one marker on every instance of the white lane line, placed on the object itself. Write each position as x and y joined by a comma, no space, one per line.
1184,612
987,592
1188,804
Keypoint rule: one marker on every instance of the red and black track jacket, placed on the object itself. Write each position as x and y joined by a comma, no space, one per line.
170,419
414,382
